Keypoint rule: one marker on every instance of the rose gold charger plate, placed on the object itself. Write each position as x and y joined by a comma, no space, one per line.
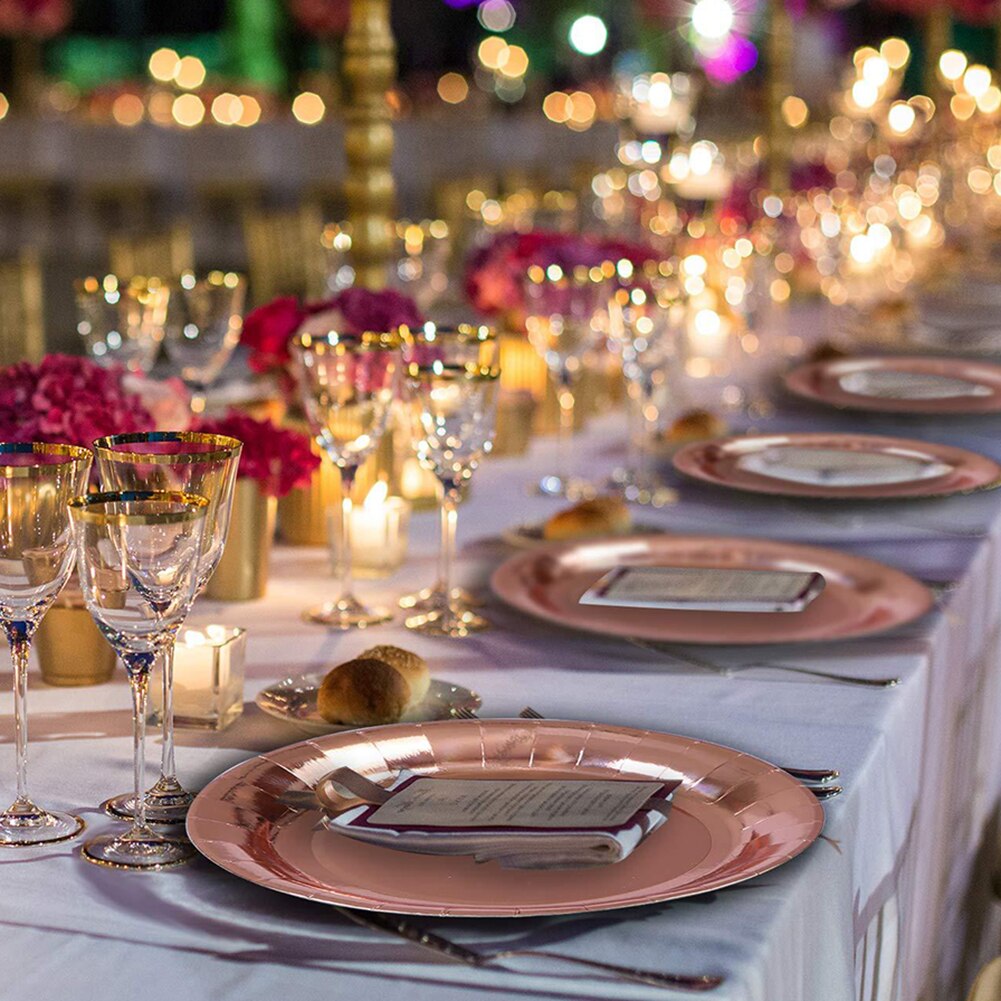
822,382
734,817
719,462
860,596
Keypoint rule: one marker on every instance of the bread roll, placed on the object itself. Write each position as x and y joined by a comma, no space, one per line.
413,668
363,692
696,425
591,518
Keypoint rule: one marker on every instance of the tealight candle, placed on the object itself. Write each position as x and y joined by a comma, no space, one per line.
379,531
208,677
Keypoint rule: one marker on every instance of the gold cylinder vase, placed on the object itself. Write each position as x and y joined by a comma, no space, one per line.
242,574
71,650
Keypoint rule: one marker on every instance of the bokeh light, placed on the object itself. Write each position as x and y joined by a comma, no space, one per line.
188,110
588,35
712,19
453,88
496,15
308,108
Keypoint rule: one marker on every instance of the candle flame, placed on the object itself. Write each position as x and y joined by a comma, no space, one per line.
376,496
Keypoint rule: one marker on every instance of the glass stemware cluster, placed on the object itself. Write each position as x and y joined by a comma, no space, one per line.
143,550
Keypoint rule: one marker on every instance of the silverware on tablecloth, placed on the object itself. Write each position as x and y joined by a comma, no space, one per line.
669,650
821,776
442,946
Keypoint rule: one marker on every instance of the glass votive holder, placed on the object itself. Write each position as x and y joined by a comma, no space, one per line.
208,678
379,532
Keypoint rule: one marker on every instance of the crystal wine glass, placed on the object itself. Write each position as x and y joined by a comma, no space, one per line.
347,385
189,462
563,326
121,322
458,408
203,325
473,347
37,481
647,327
138,553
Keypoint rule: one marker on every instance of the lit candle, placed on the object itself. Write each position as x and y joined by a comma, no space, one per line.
208,677
379,528
708,334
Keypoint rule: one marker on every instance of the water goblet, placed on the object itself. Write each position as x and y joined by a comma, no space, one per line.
37,481
347,385
138,553
646,326
203,323
564,326
121,322
458,407
188,462
473,347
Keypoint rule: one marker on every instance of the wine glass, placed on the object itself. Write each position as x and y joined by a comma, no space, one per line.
564,326
203,324
647,325
37,481
188,462
138,554
458,407
347,385
121,322
470,346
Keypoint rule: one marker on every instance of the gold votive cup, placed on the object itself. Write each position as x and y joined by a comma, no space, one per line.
71,649
242,573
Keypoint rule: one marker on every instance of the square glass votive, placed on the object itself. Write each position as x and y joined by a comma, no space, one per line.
379,533
208,678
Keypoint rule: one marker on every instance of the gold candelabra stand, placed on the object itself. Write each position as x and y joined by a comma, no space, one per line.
370,69
778,87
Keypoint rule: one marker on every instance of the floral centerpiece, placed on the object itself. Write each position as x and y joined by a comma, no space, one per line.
495,272
64,398
269,329
273,462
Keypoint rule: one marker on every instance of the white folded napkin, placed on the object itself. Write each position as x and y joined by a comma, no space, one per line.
840,467
893,384
520,823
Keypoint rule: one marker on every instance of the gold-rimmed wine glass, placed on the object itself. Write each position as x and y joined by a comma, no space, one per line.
202,328
37,481
347,385
190,462
458,409
474,347
138,553
564,326
121,320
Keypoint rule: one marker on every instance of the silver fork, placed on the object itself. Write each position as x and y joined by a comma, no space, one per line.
818,775
667,650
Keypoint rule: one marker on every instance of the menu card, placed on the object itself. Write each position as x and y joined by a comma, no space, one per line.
896,385
519,823
840,467
726,589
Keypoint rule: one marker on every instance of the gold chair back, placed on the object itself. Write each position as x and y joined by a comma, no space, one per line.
284,252
22,319
164,254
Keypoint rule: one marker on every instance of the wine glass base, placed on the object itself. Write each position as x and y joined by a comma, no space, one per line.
166,803
430,598
568,487
24,824
335,615
454,622
639,489
143,850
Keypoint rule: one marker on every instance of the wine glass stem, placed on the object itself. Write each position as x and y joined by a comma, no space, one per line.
565,395
167,765
347,483
138,672
20,647
635,456
449,519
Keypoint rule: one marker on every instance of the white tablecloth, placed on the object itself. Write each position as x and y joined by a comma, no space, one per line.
877,909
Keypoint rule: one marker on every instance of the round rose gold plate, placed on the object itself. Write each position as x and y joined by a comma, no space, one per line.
854,384
733,817
736,463
860,597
